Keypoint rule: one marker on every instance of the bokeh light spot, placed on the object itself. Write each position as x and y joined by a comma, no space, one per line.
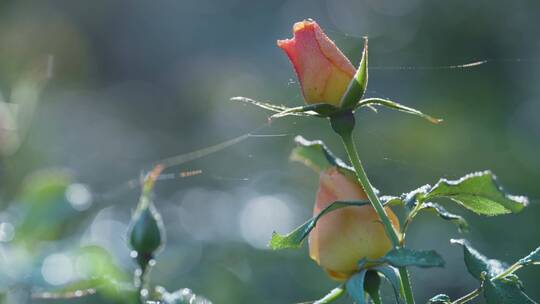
7,232
57,269
79,196
263,215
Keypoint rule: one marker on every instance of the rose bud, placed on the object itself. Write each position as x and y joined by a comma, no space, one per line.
323,71
345,236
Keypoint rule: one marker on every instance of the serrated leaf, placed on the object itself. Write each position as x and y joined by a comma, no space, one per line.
532,258
355,287
392,201
496,292
440,299
393,278
459,221
479,193
317,156
295,238
404,257
333,295
372,286
358,85
477,263
411,198
371,102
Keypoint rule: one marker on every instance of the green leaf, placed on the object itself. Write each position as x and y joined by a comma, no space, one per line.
392,276
358,85
477,263
371,102
295,238
412,198
531,259
372,285
333,295
496,292
355,287
440,299
317,156
42,207
459,221
404,257
97,274
393,201
96,262
479,193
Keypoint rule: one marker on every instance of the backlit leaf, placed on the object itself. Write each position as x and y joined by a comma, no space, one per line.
479,193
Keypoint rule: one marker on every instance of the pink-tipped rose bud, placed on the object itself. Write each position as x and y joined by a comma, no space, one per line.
343,237
322,69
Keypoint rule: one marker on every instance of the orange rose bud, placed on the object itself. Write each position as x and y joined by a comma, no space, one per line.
323,71
343,237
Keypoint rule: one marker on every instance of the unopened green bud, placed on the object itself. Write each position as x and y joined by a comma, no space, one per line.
146,233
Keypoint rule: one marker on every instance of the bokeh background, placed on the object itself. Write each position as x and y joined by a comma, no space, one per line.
137,81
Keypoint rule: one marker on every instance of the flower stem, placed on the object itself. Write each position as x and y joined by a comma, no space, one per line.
368,188
344,125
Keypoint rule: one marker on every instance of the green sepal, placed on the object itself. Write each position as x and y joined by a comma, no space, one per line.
404,257
372,286
355,287
294,239
358,85
372,102
480,193
318,110
314,110
392,276
263,105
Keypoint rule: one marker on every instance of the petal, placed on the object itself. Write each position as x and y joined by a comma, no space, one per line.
345,236
323,71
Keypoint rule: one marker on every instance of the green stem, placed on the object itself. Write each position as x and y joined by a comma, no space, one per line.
406,285
471,295
140,277
508,271
368,188
350,147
